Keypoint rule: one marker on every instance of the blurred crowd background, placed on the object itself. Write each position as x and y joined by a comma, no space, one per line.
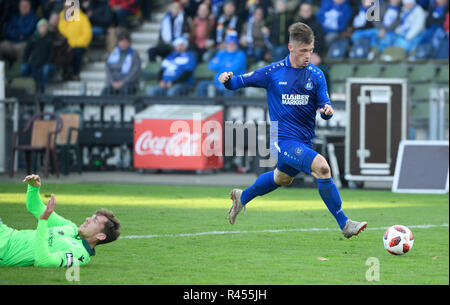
156,48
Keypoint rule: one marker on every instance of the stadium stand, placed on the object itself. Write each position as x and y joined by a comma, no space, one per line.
425,67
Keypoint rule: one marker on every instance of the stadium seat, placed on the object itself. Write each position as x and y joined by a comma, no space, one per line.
151,70
422,73
442,52
338,50
423,52
257,65
27,84
44,127
420,92
360,49
67,139
399,70
340,72
393,54
420,111
442,75
202,72
368,70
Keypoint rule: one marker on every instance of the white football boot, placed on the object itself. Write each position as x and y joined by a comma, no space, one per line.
353,228
237,206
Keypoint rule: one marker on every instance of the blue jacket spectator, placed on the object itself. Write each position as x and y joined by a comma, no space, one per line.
19,29
21,26
412,24
174,24
381,36
334,17
232,59
176,76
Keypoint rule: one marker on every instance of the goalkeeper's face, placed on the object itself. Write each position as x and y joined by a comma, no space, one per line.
93,227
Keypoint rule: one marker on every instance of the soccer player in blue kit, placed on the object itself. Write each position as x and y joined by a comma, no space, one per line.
295,90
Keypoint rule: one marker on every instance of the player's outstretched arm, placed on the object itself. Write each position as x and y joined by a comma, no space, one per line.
34,202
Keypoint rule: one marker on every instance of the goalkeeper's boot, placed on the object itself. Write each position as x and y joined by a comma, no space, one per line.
353,228
237,206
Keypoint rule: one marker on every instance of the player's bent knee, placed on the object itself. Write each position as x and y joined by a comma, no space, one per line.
282,179
320,168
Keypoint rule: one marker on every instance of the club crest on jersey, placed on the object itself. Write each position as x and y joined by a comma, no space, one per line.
309,84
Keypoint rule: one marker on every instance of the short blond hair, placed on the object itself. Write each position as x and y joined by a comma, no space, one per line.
300,32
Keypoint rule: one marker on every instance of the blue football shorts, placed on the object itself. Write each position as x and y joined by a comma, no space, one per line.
293,157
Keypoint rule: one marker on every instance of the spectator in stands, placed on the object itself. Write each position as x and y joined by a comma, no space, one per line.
62,52
435,20
123,68
78,34
49,6
146,9
190,7
265,5
100,15
276,26
226,23
201,28
216,7
360,20
122,9
176,76
440,38
8,8
18,30
334,16
253,39
173,25
446,24
37,59
382,35
232,59
413,19
305,15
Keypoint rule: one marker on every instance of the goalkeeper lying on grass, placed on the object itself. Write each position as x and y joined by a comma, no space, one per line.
57,242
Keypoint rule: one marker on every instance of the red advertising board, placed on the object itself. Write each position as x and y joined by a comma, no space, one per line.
179,138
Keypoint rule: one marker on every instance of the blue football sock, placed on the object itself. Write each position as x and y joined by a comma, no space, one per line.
330,195
264,184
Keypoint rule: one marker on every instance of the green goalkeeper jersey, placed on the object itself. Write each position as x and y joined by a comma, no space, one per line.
55,242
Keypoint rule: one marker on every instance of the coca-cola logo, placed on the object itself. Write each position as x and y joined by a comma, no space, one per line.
179,144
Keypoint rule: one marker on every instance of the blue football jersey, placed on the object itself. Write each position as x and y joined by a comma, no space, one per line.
293,97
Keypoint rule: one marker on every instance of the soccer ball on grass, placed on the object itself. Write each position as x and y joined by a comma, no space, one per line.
398,240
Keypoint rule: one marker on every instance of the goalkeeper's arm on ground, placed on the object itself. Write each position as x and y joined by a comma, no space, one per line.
35,206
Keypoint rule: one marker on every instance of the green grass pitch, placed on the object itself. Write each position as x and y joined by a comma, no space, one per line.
273,243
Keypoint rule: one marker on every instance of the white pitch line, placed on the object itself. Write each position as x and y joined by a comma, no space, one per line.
268,231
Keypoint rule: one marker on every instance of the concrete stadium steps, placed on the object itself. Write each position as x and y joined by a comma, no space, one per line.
76,88
93,75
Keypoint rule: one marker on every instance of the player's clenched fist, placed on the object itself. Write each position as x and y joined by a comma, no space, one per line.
327,110
225,76
33,180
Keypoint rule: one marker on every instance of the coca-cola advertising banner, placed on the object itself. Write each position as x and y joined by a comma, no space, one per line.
186,144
